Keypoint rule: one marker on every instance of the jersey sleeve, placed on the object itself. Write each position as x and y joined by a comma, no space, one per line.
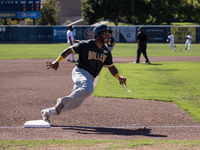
78,47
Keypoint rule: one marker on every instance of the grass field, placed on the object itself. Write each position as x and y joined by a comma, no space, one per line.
101,144
167,81
162,81
20,51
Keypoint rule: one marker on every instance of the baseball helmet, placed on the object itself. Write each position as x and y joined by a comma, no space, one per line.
98,30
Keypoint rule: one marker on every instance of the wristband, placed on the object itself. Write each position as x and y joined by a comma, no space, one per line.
59,59
117,76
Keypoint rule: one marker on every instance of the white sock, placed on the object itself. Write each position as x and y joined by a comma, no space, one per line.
52,111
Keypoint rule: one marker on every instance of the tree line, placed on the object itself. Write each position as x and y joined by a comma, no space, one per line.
128,11
141,11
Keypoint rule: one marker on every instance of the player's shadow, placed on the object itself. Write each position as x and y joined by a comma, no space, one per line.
111,131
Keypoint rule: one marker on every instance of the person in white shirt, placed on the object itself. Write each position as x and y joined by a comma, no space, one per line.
188,41
171,40
71,41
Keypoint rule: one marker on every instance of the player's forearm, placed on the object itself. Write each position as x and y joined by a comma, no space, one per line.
67,51
64,54
113,70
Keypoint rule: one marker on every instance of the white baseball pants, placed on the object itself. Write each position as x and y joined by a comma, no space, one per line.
187,43
83,88
71,55
172,45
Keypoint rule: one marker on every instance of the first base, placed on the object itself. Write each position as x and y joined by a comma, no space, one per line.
37,124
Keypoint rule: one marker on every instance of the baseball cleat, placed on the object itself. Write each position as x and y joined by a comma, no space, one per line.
46,113
136,62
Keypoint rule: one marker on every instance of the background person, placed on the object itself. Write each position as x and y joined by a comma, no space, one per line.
171,40
110,43
142,45
93,55
188,41
71,41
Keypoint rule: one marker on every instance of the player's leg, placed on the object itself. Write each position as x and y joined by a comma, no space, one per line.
69,56
73,60
172,45
186,45
145,54
138,55
83,88
189,46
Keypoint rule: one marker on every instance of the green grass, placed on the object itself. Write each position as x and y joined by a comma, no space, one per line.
98,144
176,82
130,50
20,51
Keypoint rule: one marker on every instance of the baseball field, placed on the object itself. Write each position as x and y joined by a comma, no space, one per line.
161,112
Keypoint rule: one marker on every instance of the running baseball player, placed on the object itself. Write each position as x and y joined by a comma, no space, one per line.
171,40
71,41
93,55
188,41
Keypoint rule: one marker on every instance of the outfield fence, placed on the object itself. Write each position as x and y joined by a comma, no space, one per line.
122,34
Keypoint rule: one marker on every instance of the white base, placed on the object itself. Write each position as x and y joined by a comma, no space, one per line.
37,124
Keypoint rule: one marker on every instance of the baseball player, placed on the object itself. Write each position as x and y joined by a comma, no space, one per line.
93,55
110,43
188,41
171,40
71,41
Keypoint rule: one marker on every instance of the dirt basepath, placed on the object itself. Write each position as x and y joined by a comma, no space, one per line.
26,87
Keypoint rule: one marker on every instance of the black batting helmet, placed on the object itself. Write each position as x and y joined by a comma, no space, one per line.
98,30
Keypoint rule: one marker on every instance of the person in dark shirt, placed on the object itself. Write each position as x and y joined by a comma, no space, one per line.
142,45
110,43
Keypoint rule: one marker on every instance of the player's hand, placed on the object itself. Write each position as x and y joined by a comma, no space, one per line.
52,65
122,80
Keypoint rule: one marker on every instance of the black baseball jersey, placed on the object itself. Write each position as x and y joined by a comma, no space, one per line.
91,58
142,37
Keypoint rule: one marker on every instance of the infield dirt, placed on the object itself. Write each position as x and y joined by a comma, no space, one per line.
27,87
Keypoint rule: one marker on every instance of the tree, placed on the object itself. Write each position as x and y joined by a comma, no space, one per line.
91,10
115,11
166,9
10,21
118,10
49,13
196,12
191,11
141,11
